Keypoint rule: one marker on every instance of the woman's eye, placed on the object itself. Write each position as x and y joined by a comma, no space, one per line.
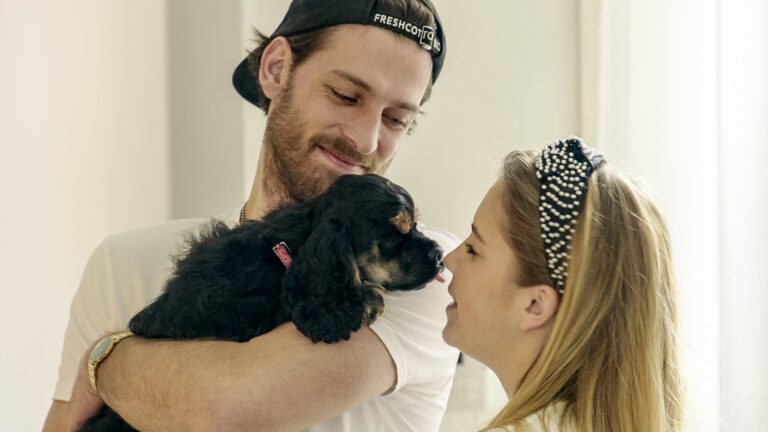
469,249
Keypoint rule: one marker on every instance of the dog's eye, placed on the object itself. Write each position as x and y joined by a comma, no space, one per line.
390,245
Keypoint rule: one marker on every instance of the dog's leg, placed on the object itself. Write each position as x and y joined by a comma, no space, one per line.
328,320
373,302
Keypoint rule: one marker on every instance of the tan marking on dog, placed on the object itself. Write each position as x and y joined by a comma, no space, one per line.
376,270
377,273
358,280
375,306
403,222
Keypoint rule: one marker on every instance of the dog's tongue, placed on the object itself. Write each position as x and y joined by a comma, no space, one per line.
440,278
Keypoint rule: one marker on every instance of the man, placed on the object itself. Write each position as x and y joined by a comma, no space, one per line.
341,84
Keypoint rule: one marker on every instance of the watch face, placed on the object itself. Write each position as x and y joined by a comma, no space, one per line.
101,348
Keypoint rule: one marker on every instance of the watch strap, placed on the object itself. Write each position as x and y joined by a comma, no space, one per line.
110,342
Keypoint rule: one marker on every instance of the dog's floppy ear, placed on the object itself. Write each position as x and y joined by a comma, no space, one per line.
321,291
291,222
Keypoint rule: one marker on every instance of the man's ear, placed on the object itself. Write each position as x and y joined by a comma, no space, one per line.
275,66
541,306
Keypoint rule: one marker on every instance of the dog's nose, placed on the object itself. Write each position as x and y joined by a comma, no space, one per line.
437,255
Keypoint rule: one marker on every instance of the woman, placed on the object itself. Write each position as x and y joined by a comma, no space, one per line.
565,290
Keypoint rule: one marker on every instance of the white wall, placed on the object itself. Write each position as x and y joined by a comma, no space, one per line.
83,153
743,188
205,121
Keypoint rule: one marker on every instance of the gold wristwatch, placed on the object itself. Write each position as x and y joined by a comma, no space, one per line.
101,351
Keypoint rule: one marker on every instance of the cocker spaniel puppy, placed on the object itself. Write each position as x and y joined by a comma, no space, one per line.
350,244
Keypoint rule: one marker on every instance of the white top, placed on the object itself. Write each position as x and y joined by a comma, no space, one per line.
127,271
544,420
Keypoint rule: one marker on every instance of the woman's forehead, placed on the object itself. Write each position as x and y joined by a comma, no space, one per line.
490,216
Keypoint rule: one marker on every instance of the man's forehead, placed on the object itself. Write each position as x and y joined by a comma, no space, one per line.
377,60
363,85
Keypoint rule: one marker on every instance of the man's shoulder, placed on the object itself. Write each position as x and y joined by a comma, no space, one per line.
164,236
162,239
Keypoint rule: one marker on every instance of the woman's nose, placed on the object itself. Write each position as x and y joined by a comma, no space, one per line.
450,259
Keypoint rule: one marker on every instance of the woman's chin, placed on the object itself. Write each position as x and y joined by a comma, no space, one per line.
449,337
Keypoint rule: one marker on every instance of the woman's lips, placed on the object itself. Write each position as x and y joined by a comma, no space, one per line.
452,304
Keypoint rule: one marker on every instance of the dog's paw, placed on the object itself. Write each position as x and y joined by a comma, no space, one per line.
329,322
329,335
332,337
374,303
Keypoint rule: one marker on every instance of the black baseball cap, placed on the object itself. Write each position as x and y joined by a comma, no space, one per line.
307,15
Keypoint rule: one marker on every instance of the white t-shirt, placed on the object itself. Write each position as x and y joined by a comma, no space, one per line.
127,271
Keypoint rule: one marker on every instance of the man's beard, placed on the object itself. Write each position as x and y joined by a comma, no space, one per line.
290,173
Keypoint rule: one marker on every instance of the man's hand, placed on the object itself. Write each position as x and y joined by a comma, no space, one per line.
84,402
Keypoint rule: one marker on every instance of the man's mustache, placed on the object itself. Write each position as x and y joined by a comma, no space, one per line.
341,147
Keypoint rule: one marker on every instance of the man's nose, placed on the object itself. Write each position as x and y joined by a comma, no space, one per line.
363,132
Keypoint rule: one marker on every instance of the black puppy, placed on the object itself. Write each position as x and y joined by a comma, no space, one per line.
351,243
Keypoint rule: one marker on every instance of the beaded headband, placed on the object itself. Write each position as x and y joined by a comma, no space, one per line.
564,168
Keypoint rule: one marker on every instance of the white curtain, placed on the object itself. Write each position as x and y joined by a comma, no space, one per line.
743,122
677,91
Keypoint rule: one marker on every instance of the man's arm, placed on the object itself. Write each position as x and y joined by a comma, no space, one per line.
279,381
57,418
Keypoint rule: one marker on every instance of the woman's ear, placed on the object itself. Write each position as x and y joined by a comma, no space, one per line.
275,66
540,308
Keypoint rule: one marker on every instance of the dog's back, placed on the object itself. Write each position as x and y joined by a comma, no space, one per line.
226,287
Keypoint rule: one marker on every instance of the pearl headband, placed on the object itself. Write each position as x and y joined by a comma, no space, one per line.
564,168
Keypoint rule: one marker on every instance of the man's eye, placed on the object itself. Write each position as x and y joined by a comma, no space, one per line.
344,98
397,122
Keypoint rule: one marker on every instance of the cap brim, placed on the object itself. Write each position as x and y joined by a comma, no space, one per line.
245,83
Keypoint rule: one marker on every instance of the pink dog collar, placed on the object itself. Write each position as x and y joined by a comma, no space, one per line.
282,252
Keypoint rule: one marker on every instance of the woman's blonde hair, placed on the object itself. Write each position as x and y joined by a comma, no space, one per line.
611,358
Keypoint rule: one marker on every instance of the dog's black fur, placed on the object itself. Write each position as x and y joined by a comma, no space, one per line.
350,243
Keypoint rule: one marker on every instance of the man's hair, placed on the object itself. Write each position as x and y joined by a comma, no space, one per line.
304,44
612,356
